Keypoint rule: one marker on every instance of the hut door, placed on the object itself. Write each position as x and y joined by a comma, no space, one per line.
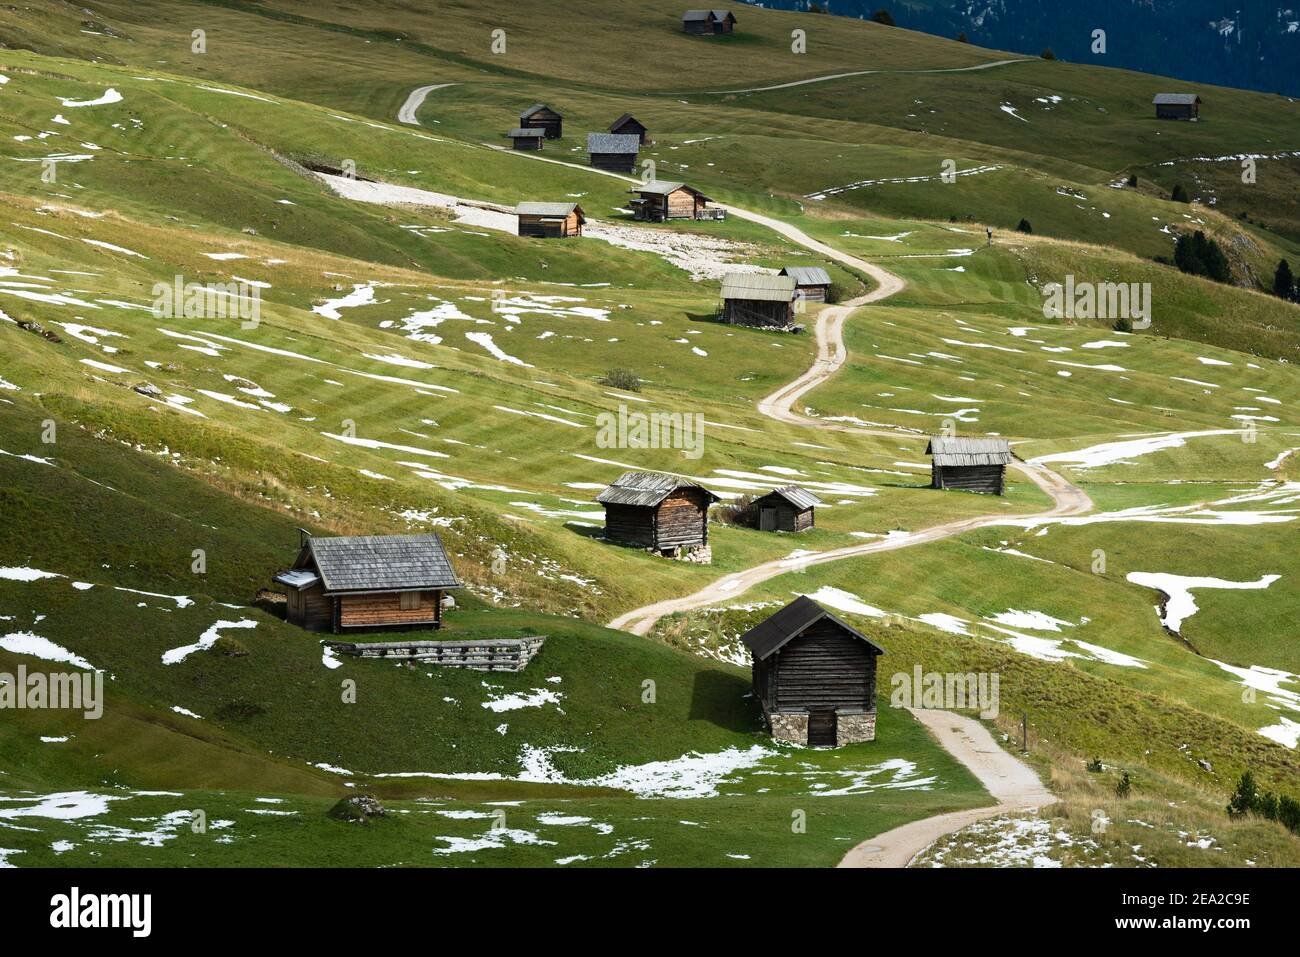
767,520
822,729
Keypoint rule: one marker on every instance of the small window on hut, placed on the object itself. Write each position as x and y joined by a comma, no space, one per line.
410,600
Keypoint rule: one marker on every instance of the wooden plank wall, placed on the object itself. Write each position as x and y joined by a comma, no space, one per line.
989,479
825,668
370,611
682,519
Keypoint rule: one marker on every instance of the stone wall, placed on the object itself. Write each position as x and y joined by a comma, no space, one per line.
852,727
790,726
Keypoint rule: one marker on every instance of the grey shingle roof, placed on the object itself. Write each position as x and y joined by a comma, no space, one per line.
382,563
662,187
807,275
545,209
613,143
953,451
799,497
704,14
791,621
1176,99
757,285
646,489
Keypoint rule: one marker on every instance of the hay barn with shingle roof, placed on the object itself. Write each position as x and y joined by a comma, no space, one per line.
367,581
973,465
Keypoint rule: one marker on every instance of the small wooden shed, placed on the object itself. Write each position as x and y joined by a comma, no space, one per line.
541,116
706,22
613,151
550,220
1177,106
758,299
628,124
527,138
811,283
814,676
660,200
973,465
789,509
655,511
368,581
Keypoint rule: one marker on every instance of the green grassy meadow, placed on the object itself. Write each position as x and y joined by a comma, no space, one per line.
418,368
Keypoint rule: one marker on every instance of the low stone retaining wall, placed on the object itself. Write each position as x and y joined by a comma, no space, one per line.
493,654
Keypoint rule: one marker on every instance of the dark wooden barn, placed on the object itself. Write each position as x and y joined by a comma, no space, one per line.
627,124
541,116
1177,106
662,513
707,22
814,676
527,139
370,581
811,283
613,151
973,465
550,220
789,509
660,200
758,299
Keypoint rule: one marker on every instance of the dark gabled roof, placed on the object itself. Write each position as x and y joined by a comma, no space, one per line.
791,621
1176,99
526,132
807,275
364,563
613,143
623,119
646,489
535,108
799,497
949,451
705,14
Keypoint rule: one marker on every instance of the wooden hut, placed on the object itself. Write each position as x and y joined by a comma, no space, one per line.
814,676
708,22
530,138
974,465
658,512
1177,106
659,200
811,283
369,581
758,299
628,124
541,116
550,220
789,509
613,151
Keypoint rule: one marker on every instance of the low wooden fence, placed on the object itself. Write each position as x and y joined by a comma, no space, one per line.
492,654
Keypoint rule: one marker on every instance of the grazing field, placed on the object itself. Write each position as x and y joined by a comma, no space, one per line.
383,354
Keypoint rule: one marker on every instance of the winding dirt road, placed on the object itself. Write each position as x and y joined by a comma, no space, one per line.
845,76
1009,780
1067,499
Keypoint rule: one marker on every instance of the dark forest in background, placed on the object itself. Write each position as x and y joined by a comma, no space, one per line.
1250,44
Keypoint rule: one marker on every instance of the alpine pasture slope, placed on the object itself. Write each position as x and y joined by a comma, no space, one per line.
416,367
